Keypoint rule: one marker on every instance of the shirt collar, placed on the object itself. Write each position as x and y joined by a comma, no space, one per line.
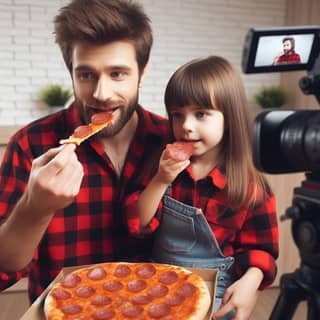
148,121
217,176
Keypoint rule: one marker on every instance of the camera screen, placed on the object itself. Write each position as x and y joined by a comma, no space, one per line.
284,49
280,49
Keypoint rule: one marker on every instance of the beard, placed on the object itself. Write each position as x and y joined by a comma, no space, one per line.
126,111
287,51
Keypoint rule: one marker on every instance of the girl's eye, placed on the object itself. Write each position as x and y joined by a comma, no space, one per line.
200,114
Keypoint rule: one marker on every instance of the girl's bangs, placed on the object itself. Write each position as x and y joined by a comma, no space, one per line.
188,88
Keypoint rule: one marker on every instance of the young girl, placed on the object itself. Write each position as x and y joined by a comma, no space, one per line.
214,210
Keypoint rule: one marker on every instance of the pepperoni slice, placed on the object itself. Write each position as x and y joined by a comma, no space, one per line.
85,291
157,291
179,150
101,314
97,273
101,117
141,299
136,285
159,310
82,131
60,294
112,285
146,271
175,300
131,311
101,300
122,271
168,277
71,309
70,280
187,290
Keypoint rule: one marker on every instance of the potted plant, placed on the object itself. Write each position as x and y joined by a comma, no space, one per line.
271,97
54,95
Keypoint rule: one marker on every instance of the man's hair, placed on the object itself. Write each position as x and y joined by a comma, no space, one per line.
102,22
291,39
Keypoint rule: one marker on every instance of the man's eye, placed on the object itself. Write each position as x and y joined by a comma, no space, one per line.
87,76
118,75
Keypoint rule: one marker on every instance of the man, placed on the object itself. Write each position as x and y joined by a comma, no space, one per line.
62,205
288,56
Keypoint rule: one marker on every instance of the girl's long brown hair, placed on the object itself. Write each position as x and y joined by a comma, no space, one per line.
214,83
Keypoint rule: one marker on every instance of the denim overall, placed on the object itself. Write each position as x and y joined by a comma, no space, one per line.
185,238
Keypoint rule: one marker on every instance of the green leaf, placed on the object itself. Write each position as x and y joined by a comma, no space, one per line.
271,97
55,95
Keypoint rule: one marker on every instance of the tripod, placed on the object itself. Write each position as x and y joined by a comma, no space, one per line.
296,287
304,283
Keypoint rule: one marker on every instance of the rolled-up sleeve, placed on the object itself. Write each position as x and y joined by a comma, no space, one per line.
257,244
7,279
14,173
134,221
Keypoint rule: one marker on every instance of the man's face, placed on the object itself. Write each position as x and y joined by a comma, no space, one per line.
287,46
106,78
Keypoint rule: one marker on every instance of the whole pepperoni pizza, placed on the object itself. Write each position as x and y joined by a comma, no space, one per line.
120,290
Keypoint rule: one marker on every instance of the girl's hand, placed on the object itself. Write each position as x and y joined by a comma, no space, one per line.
169,169
241,296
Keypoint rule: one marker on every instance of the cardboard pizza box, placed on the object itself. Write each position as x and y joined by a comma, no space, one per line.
35,312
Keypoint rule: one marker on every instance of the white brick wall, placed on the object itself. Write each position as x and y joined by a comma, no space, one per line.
183,29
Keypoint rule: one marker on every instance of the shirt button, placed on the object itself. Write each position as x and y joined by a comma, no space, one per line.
222,267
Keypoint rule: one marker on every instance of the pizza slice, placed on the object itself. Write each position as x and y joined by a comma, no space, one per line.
98,122
179,150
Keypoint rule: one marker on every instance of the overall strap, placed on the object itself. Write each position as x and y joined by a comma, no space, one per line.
168,191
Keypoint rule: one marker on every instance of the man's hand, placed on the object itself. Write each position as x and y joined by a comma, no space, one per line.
276,59
54,181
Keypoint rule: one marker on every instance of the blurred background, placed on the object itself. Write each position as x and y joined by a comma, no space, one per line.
183,30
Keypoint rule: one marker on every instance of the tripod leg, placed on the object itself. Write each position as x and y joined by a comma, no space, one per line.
290,296
314,307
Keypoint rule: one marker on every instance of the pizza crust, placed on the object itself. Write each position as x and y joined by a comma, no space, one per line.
50,309
204,302
198,306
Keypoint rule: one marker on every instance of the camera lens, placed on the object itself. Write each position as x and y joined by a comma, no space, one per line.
287,141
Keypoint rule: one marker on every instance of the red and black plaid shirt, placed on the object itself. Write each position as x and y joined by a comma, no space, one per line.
251,236
91,229
290,58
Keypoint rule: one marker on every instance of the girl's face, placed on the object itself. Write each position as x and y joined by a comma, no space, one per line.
204,127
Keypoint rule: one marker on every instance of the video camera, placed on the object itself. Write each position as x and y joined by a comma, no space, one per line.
286,141
293,136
